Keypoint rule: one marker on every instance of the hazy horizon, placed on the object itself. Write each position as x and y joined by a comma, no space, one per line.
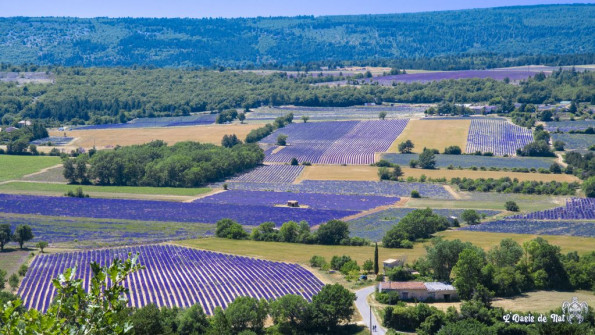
246,8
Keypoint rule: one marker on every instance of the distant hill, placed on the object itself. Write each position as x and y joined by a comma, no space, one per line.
553,29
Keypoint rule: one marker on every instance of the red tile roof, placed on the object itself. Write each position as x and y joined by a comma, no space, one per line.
403,285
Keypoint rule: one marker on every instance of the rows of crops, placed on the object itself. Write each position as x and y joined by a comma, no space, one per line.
337,113
374,226
347,142
99,232
537,227
174,121
575,141
566,126
467,161
147,210
385,188
271,174
53,140
175,276
309,200
575,209
496,136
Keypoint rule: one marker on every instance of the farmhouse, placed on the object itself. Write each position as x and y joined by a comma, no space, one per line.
420,291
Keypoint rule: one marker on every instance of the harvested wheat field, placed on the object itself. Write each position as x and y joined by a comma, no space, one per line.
370,173
434,134
105,138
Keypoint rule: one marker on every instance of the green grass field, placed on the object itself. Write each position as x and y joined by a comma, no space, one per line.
15,167
63,188
494,201
300,253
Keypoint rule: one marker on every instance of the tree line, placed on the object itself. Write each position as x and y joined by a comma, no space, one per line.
185,164
114,95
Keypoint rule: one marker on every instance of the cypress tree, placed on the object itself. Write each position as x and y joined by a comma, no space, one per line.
376,259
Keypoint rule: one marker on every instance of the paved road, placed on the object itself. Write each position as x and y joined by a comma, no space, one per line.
363,307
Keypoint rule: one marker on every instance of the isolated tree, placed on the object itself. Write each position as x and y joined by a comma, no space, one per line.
305,118
471,217
69,170
427,159
452,150
22,234
242,117
406,147
41,245
282,140
511,206
227,228
555,168
368,265
5,235
294,161
229,141
376,270
396,173
382,115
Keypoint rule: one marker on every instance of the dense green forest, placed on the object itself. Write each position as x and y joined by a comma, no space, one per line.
107,95
185,164
555,29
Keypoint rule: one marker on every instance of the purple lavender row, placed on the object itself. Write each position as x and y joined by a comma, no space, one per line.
311,200
537,227
175,276
575,209
496,136
162,210
271,174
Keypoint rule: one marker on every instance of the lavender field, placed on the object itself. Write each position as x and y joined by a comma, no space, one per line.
575,209
537,227
374,226
271,174
497,136
575,141
54,140
310,200
175,276
146,210
467,161
346,142
566,126
384,188
174,121
426,77
86,233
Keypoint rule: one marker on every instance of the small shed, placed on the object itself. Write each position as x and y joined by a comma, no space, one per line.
293,203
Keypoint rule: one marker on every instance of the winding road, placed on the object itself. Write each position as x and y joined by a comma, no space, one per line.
363,307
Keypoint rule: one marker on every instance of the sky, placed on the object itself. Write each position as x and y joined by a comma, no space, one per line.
241,8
